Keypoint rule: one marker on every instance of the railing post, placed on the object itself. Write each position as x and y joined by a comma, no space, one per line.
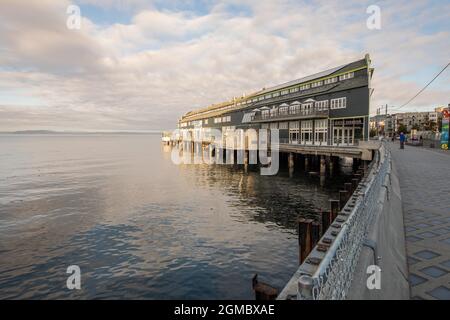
305,287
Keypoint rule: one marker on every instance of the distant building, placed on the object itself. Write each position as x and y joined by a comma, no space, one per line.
411,120
383,124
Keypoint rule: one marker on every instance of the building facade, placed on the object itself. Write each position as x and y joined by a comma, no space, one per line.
327,108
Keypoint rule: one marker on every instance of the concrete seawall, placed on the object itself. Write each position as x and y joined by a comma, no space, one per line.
387,232
370,232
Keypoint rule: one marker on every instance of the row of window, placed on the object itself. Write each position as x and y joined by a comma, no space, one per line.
306,125
304,108
284,109
303,87
339,103
221,119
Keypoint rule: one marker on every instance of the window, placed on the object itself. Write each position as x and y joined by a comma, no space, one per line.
283,125
316,84
260,98
320,131
322,105
255,100
294,132
339,103
276,94
206,121
306,132
284,92
304,87
225,119
268,96
294,108
307,108
217,120
273,112
265,114
293,90
330,80
283,111
273,125
346,76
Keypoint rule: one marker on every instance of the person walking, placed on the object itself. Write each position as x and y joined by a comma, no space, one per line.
402,140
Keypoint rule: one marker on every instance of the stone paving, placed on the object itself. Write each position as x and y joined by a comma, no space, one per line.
424,176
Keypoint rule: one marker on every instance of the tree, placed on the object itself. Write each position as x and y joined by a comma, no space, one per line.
402,128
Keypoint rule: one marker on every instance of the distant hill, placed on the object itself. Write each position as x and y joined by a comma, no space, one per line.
34,132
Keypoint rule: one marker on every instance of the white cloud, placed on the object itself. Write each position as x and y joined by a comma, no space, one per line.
145,74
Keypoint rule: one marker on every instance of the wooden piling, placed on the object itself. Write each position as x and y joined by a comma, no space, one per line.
348,186
315,234
323,166
355,183
291,162
263,291
326,221
334,209
304,238
342,199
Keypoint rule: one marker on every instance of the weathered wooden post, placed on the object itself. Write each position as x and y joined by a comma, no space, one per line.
348,186
342,199
329,163
291,162
323,166
355,183
263,291
334,209
315,234
326,221
304,238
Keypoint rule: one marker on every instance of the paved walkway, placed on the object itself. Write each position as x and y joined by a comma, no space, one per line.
424,176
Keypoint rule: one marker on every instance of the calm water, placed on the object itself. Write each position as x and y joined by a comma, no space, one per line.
139,226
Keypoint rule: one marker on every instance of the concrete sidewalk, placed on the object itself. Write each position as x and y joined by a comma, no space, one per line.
425,189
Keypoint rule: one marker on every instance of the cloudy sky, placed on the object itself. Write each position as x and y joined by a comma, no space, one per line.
139,65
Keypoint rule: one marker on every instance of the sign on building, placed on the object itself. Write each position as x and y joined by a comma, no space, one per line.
445,130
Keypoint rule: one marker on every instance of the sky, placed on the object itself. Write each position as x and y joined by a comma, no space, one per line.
140,65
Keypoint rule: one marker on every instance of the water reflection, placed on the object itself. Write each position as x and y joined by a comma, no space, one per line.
138,225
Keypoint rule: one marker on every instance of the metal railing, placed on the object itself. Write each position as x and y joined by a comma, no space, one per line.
333,277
